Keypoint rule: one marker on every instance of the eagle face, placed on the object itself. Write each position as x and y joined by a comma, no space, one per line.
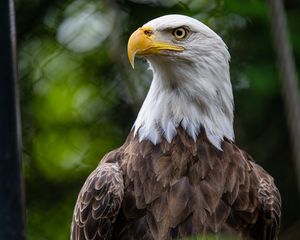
174,36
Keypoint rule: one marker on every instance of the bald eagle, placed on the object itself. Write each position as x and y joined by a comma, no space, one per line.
179,172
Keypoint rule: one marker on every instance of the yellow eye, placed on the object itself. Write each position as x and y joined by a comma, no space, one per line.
180,33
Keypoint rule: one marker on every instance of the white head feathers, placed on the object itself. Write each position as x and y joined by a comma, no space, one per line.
190,88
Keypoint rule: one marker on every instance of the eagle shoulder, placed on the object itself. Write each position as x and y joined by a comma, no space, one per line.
98,203
251,194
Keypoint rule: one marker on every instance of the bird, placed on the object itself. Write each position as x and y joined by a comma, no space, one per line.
179,173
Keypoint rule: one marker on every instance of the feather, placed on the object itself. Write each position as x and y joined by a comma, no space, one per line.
178,197
170,131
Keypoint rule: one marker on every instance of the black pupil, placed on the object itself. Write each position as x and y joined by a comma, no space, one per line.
179,33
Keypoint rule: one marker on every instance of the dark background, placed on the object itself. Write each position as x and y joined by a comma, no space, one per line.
79,95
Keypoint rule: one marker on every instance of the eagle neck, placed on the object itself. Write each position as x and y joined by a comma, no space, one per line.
191,99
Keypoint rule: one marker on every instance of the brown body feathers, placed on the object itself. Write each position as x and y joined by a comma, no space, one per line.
144,191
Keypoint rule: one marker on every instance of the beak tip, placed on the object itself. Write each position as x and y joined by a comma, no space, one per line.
131,57
131,60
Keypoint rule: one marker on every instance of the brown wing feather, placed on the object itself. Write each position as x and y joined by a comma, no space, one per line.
98,203
269,198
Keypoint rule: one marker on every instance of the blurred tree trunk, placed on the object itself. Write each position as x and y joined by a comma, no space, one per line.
288,77
12,210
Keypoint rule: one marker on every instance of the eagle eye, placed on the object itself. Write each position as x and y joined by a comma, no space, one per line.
180,33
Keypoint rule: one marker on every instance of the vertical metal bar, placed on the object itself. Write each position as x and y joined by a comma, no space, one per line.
12,225
288,76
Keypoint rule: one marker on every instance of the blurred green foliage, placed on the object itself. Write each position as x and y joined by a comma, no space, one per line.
79,95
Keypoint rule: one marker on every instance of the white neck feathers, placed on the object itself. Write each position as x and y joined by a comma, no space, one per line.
196,95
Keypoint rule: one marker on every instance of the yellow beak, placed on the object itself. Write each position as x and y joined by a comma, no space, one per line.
142,42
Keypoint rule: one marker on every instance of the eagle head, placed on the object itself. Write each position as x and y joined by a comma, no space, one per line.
191,82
